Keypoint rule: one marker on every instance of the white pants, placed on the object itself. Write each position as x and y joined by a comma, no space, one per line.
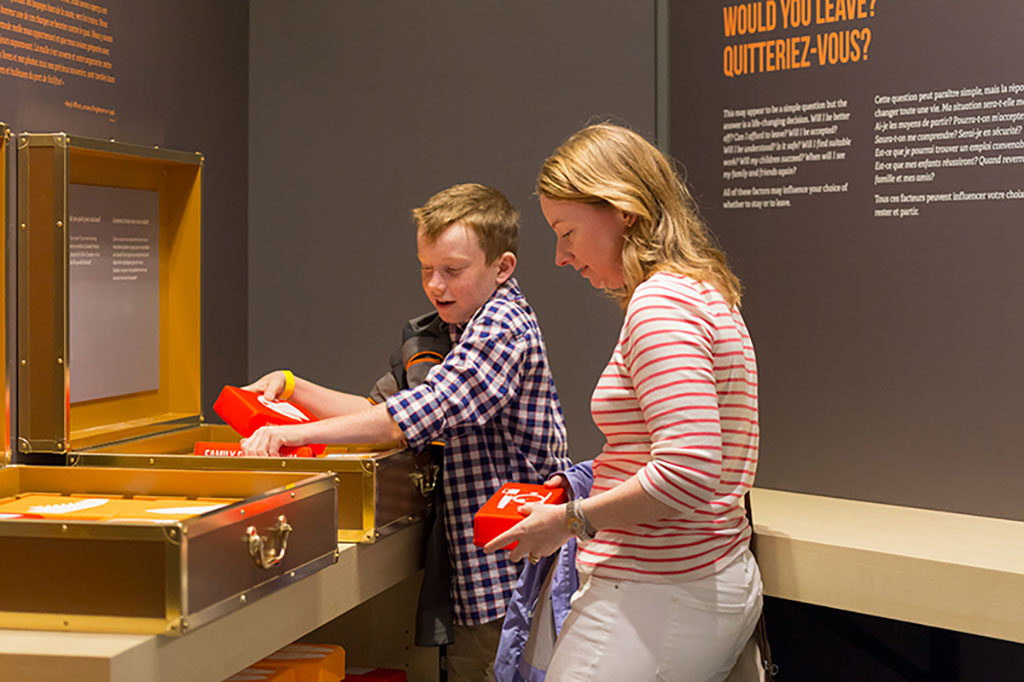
678,632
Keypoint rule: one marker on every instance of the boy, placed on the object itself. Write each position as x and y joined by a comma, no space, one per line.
491,400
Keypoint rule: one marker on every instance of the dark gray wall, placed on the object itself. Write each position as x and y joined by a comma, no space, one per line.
181,69
360,111
889,349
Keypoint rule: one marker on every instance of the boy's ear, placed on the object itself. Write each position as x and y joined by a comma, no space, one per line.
506,266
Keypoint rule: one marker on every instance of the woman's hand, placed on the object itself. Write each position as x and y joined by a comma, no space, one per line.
541,533
270,385
267,441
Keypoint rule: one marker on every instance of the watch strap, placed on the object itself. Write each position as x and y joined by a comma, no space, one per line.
577,522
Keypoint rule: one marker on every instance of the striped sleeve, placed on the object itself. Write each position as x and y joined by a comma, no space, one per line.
667,349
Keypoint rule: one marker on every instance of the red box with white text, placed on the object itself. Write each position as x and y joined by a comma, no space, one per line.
245,411
501,512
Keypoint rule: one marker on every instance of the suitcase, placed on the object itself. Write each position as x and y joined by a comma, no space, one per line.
381,488
88,572
165,576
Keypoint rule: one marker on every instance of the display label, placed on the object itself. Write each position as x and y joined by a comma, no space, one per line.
114,274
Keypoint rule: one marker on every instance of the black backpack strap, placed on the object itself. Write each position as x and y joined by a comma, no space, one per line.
425,343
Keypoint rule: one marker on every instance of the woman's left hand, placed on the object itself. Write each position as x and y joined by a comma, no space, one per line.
267,441
541,533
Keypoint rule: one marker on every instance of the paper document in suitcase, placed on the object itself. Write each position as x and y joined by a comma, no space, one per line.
501,512
90,508
49,506
167,510
246,411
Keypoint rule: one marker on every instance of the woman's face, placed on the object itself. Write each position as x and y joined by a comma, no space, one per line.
589,238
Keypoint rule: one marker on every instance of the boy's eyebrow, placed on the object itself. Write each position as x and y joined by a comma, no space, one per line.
448,259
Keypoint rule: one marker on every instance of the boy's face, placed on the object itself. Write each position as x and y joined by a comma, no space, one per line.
456,276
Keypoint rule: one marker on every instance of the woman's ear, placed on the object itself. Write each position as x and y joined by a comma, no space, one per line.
628,219
506,266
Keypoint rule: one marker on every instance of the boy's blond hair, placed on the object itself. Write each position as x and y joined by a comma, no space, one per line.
483,209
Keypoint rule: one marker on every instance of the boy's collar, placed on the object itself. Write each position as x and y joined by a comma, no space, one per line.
455,329
509,284
509,289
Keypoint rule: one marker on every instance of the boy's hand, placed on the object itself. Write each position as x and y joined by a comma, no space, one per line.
559,481
541,533
270,385
267,441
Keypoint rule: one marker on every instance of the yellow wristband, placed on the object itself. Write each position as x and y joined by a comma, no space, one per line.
289,385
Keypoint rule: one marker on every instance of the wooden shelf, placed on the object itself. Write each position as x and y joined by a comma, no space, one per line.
952,571
229,644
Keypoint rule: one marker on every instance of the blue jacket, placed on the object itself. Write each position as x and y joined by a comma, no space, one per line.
511,665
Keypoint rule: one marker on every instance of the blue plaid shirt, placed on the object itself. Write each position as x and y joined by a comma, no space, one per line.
493,402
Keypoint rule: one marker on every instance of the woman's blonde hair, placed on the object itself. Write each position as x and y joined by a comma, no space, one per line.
611,165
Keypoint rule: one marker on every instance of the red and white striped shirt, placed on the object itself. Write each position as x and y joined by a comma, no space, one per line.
677,404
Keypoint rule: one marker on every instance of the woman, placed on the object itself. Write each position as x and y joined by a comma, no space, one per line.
669,588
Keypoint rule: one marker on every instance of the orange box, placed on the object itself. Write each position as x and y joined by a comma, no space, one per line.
501,511
309,662
375,674
246,411
256,674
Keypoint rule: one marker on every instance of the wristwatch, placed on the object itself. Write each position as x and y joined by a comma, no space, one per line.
577,522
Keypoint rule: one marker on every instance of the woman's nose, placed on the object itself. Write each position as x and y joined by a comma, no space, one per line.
562,256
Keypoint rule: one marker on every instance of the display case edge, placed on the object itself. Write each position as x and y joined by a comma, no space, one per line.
45,423
42,337
124,148
5,340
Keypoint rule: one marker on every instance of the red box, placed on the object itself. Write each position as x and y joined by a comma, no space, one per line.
214,449
501,511
246,411
376,674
